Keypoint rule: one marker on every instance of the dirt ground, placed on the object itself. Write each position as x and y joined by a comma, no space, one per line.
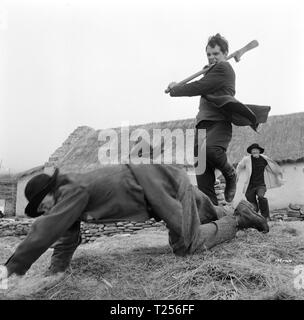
142,266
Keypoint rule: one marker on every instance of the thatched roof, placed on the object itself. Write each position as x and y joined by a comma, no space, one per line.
29,172
82,155
282,137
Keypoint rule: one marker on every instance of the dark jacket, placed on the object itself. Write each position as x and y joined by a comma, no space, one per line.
119,192
217,103
110,193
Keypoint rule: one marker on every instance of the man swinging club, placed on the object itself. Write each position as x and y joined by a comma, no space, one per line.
218,109
123,192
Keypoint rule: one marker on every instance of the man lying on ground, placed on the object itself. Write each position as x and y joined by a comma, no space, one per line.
123,192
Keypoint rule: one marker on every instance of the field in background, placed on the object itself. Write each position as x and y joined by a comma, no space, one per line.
141,266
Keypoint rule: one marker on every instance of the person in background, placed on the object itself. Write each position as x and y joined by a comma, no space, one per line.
262,173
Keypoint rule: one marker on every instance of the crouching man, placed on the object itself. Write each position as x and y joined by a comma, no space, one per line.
123,192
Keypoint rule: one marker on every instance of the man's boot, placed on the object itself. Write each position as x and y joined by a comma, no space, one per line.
247,217
230,189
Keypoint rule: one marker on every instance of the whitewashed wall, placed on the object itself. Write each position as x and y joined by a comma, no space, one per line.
21,201
291,192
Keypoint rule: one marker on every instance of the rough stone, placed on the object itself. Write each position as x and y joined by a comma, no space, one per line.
158,224
110,225
108,232
129,225
120,224
110,228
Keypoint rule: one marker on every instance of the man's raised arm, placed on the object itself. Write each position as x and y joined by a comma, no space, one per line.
211,82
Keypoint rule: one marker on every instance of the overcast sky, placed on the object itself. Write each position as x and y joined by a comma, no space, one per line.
65,64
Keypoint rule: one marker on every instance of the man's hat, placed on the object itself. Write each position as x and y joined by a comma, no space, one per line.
35,191
255,146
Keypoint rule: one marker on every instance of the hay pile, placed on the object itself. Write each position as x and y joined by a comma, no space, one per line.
141,266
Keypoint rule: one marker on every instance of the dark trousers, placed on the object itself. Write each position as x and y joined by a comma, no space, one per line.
256,195
216,158
218,136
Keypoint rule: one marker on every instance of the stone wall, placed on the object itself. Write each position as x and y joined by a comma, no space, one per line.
90,231
8,191
294,212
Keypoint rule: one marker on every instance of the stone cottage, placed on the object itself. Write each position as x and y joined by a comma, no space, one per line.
282,137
